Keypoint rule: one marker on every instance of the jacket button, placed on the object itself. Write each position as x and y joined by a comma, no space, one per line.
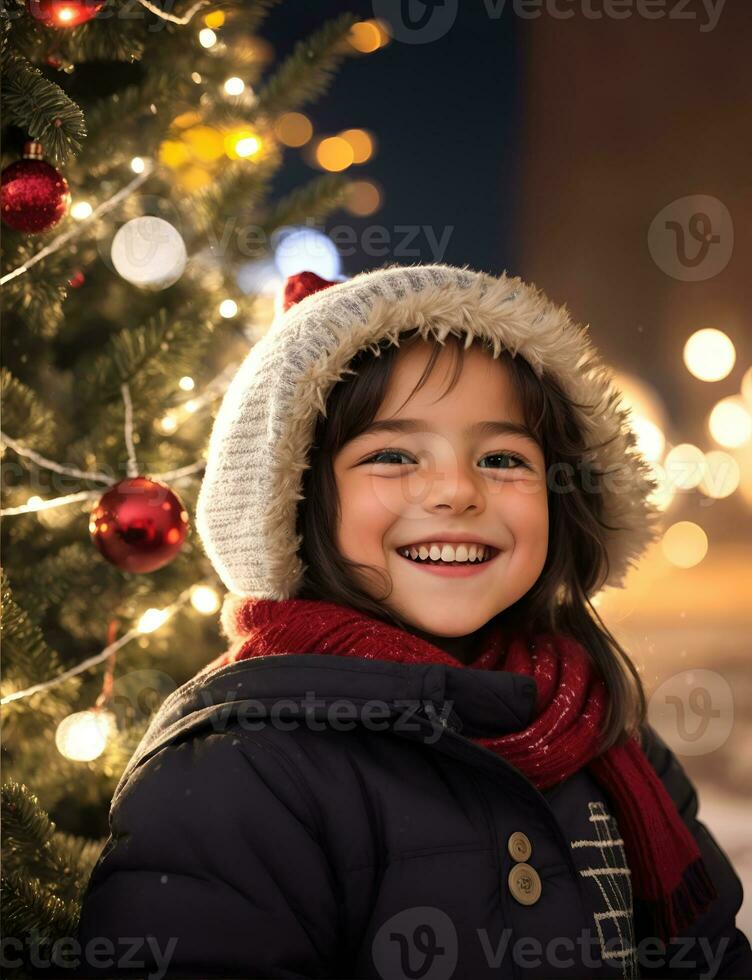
524,884
519,846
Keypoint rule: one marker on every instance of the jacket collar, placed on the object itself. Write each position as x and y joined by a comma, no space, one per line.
477,702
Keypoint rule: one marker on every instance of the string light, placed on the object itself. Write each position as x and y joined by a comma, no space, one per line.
138,165
186,383
228,308
151,620
81,210
207,38
234,86
75,230
83,736
204,600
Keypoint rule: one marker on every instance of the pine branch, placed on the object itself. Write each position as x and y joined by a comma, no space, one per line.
27,660
234,193
24,416
162,348
308,71
315,199
304,76
37,296
32,845
51,579
30,911
42,108
115,34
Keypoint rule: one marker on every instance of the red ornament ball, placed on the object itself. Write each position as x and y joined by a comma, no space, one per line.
34,195
139,524
63,13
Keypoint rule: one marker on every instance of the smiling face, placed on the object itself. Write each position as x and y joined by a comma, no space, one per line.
445,475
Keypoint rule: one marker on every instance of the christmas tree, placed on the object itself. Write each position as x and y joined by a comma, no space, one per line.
140,142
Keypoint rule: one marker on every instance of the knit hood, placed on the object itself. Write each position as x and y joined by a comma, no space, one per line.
247,505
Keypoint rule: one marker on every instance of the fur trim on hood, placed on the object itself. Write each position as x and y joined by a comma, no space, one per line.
247,504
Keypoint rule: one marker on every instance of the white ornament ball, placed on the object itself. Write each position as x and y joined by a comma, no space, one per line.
149,252
83,735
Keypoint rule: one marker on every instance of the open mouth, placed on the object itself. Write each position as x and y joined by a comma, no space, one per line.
490,554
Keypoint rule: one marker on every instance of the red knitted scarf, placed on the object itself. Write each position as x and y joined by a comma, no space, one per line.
668,873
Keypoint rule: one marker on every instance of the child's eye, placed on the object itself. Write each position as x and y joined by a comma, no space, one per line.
398,452
385,452
511,456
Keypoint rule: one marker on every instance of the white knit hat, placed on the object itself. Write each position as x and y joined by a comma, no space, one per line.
247,505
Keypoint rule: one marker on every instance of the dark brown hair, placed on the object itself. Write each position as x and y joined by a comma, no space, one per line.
577,561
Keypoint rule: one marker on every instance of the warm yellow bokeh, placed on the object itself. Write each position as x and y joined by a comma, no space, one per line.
685,544
709,354
366,36
730,422
361,143
334,154
363,198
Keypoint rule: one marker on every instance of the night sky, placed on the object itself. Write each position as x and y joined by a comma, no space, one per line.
444,114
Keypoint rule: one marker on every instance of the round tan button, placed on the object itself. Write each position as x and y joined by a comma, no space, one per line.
524,884
519,846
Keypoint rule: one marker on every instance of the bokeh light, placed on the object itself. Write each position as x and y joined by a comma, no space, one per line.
293,129
360,142
363,198
685,544
684,465
334,154
709,354
730,422
721,475
305,249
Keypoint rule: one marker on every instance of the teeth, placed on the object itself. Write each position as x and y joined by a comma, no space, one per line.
446,552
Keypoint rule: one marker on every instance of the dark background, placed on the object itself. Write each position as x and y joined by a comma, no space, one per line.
445,115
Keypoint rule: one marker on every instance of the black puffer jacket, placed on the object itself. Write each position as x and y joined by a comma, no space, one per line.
386,845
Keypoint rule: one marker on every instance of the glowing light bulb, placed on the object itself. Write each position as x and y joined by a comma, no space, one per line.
709,354
204,600
81,210
151,620
34,502
186,383
168,424
138,165
247,146
207,38
234,86
228,308
83,736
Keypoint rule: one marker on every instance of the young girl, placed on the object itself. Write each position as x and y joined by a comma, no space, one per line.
423,755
